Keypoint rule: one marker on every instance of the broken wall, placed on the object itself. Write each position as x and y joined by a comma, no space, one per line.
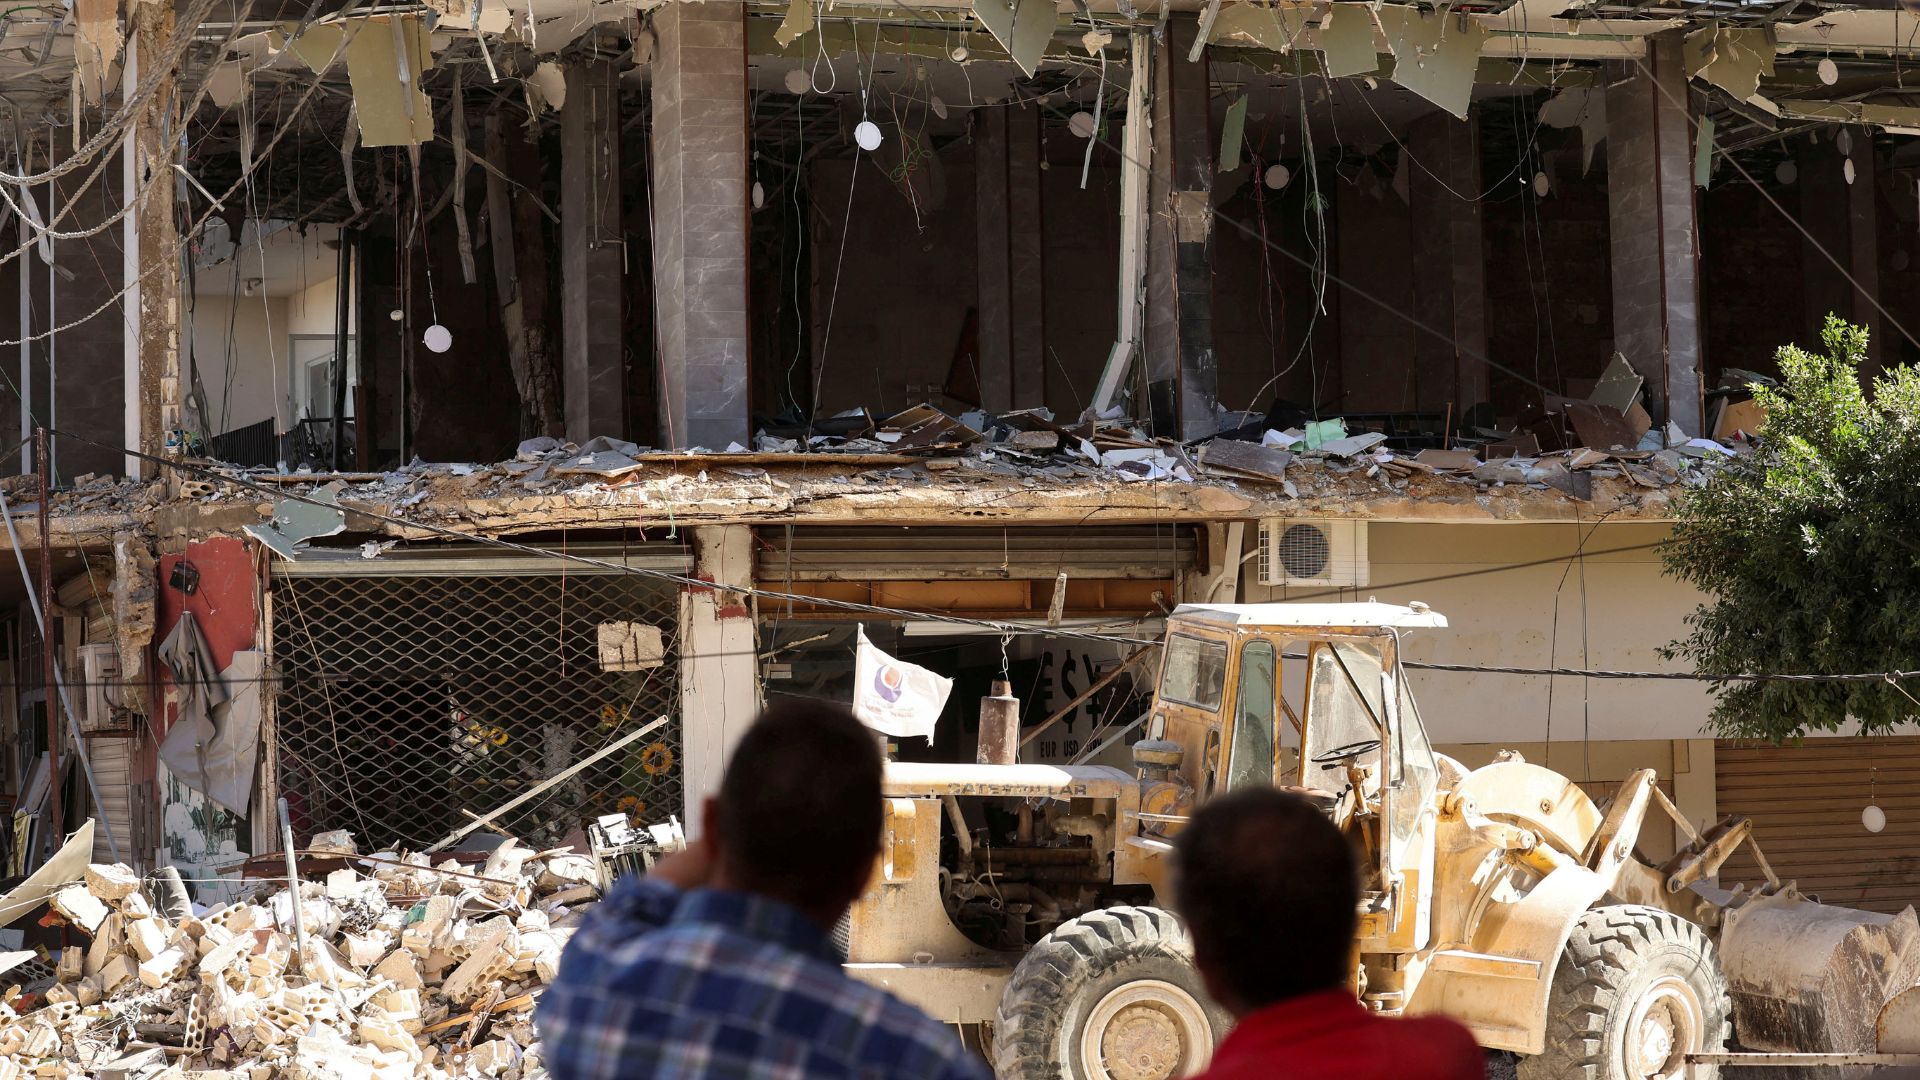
1374,251
1750,272
904,291
1549,283
240,351
464,402
1258,331
1081,256
198,835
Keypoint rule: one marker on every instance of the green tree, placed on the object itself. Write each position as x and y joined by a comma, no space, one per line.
1808,551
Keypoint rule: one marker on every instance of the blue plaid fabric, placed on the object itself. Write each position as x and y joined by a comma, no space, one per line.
675,985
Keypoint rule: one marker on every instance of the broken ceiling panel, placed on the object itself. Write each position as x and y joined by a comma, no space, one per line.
1022,27
1346,41
1434,56
386,60
1731,58
317,46
798,23
1264,26
1892,117
1233,132
549,84
96,45
225,83
1584,107
1033,26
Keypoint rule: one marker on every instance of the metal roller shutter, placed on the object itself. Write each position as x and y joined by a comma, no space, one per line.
1805,803
894,553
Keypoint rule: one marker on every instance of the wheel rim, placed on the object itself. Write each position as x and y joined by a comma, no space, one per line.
1663,1029
1145,1030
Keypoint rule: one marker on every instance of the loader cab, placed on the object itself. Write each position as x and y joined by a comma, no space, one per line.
1309,696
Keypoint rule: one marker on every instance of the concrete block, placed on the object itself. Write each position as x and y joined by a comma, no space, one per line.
336,842
270,953
111,881
147,938
136,906
42,1040
377,1028
491,1058
364,950
491,958
80,907
164,968
117,970
343,884
402,968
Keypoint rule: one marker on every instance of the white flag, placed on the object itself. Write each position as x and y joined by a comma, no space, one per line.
896,697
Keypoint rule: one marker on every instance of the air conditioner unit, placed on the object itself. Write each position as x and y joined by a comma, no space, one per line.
1297,551
100,672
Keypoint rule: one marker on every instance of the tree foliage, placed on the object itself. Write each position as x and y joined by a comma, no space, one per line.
1809,551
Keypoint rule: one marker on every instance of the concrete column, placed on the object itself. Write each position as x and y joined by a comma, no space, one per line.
719,682
1182,370
1450,264
1653,230
152,256
1011,267
1841,218
700,215
592,257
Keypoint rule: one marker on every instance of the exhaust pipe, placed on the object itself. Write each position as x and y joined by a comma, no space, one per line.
999,727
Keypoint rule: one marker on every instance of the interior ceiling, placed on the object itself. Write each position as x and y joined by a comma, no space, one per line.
902,58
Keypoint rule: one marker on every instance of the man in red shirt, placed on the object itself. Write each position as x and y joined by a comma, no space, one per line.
1270,893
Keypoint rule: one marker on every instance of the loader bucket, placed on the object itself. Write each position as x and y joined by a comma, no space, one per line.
1811,977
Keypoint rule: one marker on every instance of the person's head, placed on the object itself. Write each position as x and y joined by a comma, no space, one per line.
1270,892
798,814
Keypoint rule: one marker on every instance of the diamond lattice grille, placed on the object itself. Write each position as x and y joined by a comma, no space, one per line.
405,700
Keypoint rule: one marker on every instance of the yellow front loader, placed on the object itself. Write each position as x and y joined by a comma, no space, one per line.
1029,903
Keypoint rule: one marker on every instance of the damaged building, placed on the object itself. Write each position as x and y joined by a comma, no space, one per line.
437,393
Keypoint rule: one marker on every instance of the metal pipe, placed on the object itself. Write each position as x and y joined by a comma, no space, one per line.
293,887
48,666
342,307
66,703
53,363
960,831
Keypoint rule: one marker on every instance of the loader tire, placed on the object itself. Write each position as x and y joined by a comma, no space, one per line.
1636,990
1111,995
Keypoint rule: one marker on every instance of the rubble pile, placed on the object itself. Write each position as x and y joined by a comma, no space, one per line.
411,968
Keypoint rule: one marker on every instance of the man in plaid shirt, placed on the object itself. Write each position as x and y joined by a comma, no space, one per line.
719,962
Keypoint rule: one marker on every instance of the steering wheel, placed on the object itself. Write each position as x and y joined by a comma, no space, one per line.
1342,754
